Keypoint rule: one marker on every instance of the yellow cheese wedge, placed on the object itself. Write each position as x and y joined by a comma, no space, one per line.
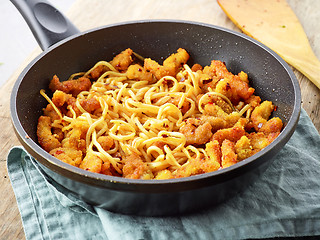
273,23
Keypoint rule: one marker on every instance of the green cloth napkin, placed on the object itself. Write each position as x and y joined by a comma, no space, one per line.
284,202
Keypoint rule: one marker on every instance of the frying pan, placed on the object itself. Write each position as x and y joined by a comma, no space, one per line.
66,51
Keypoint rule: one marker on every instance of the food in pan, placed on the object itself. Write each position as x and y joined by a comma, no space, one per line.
135,118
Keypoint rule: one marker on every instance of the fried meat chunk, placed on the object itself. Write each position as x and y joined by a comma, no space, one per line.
214,151
62,100
235,87
221,121
253,100
232,134
170,66
196,166
195,132
196,67
229,156
135,168
98,71
106,142
122,61
136,72
215,122
218,101
90,104
213,109
243,148
164,174
273,125
260,140
68,155
50,112
73,87
92,163
75,138
45,137
108,169
261,114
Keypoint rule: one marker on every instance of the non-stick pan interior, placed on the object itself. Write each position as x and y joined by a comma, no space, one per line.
157,40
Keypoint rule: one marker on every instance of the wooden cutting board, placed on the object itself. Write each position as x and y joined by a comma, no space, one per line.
273,23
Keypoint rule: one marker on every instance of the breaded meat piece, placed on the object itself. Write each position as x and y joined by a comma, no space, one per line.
122,61
135,168
170,66
229,157
73,87
195,132
45,137
68,155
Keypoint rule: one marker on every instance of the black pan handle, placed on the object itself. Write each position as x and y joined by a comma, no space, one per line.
47,24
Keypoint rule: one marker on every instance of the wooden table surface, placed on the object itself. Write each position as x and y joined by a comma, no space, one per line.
88,14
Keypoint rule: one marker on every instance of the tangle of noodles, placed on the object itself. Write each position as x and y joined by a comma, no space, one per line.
148,120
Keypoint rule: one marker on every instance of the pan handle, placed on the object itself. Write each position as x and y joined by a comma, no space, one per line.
47,24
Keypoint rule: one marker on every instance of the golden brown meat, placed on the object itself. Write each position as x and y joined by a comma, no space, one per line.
215,122
62,100
232,134
243,77
98,71
196,166
91,163
192,167
235,87
214,151
170,66
136,72
217,69
213,109
106,142
195,133
73,87
253,100
68,155
75,138
243,148
59,98
45,137
196,67
273,125
260,140
261,114
108,169
221,103
164,174
229,157
122,61
135,168
51,113
90,104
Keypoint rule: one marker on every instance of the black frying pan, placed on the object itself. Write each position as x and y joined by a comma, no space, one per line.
67,51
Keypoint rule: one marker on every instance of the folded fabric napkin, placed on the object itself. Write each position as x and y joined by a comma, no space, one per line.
284,202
